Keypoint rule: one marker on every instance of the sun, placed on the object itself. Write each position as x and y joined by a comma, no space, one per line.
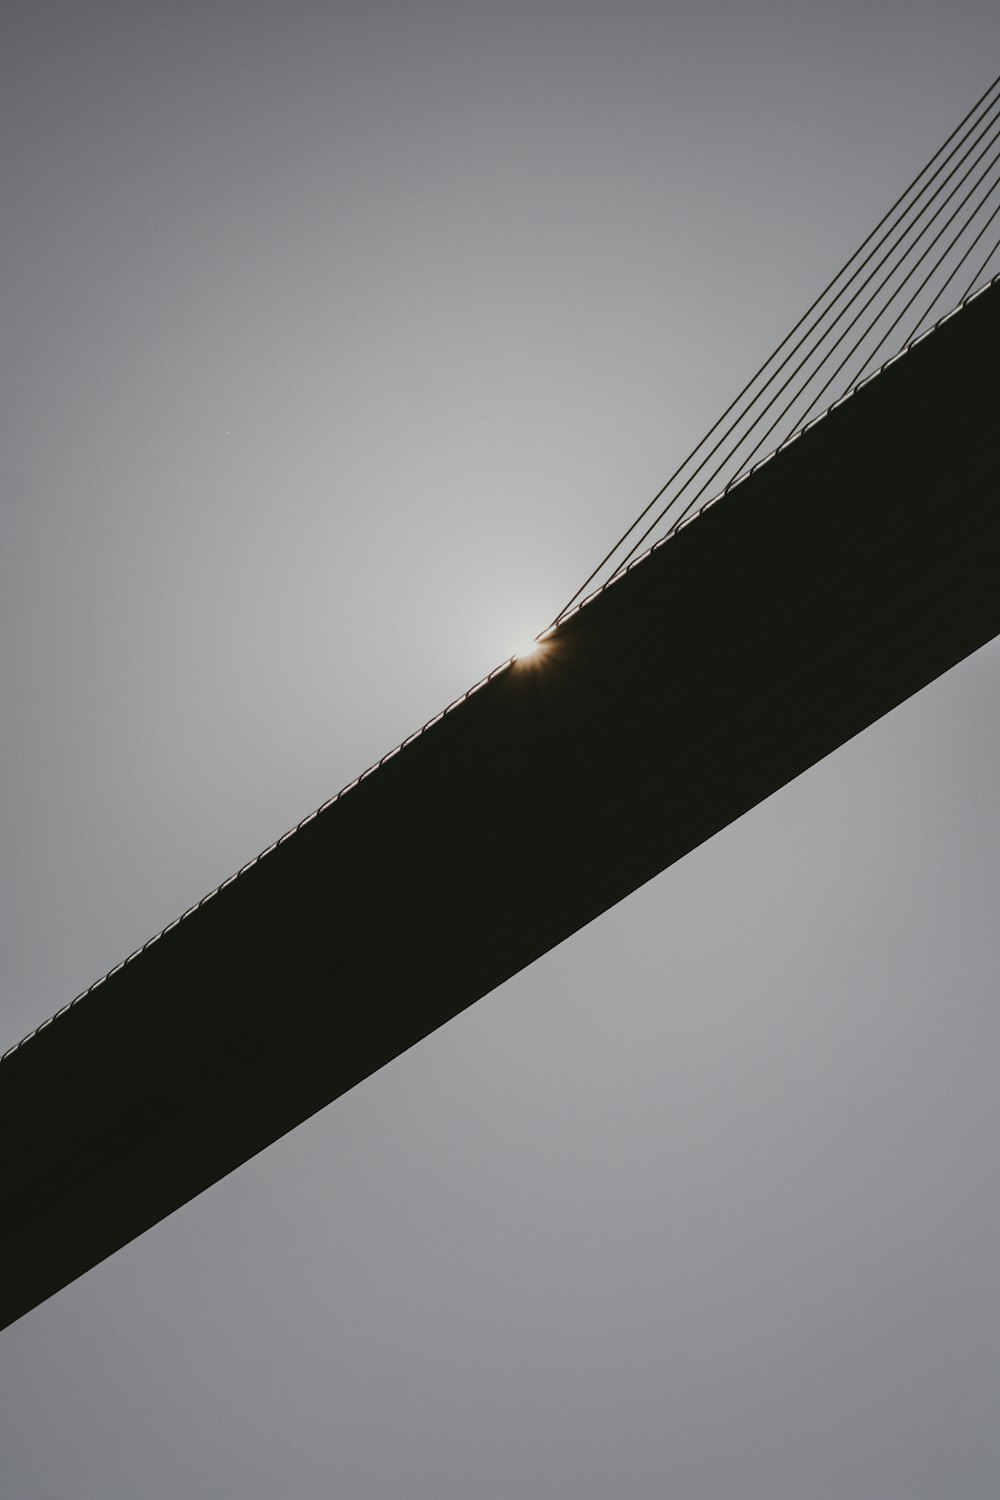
532,651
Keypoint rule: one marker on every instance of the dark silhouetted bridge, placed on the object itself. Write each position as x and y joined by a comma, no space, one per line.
837,579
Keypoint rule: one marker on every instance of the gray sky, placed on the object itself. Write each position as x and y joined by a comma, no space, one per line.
338,345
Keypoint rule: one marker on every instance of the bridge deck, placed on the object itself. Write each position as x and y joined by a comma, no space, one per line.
838,579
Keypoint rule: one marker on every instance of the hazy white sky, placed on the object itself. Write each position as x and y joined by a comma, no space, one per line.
338,345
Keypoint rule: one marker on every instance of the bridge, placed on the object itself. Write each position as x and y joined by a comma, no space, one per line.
814,595
782,606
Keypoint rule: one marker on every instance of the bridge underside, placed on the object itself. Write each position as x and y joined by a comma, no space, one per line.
853,568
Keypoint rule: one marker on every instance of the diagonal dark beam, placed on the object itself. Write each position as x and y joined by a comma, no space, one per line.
842,576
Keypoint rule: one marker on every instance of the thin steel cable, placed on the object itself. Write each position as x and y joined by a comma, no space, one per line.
851,390
658,520
761,415
899,317
928,310
829,287
966,253
979,273
941,291
970,218
906,307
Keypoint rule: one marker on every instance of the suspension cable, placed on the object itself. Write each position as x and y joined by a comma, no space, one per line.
942,157
814,374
